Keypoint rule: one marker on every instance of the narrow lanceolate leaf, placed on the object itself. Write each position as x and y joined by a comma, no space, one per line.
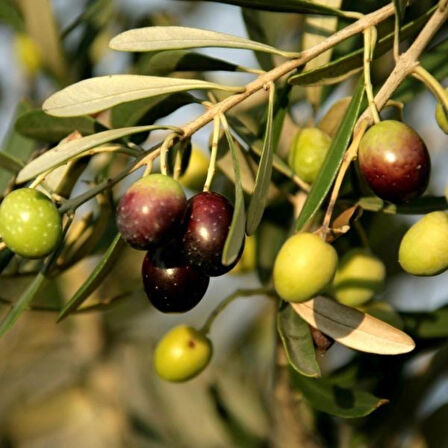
67,151
36,124
337,399
97,94
297,341
332,162
158,38
10,163
352,328
419,206
235,237
264,172
297,6
96,277
317,29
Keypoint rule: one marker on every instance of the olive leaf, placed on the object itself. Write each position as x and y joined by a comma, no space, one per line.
10,16
297,341
75,148
158,38
352,328
96,277
96,94
418,206
235,236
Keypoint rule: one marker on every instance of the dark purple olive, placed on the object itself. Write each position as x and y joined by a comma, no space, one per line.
394,161
151,210
170,284
206,226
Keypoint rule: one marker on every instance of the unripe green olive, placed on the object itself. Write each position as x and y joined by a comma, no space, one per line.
30,223
304,266
441,116
182,354
307,153
196,172
360,275
424,247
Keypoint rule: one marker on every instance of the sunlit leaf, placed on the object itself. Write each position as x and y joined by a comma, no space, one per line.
158,38
96,94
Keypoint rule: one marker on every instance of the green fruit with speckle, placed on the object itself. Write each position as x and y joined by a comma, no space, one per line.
304,266
360,275
182,354
30,224
307,153
424,247
441,116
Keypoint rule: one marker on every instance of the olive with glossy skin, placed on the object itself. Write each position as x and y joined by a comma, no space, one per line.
171,285
182,354
150,211
424,247
206,226
441,116
304,267
360,275
196,172
394,161
307,153
30,224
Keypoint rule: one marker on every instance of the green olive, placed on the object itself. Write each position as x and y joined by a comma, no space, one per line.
424,247
360,275
196,172
182,354
441,116
307,153
30,223
304,266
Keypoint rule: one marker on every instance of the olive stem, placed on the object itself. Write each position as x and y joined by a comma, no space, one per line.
213,153
370,36
432,84
205,329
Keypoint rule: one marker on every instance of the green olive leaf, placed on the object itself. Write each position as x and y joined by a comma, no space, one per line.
36,124
334,398
333,159
158,38
103,92
427,325
297,6
95,278
11,16
297,341
69,150
235,236
418,206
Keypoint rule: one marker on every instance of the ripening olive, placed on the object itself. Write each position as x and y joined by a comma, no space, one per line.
424,247
182,354
30,223
360,275
307,153
304,266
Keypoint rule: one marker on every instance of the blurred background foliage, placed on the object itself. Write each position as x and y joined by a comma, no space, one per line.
88,381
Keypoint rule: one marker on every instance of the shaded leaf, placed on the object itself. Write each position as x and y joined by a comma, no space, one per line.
148,110
427,325
297,341
333,159
96,94
10,163
95,278
69,150
38,125
165,62
298,6
11,16
332,119
353,328
418,206
235,237
157,38
335,399
400,9
264,172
